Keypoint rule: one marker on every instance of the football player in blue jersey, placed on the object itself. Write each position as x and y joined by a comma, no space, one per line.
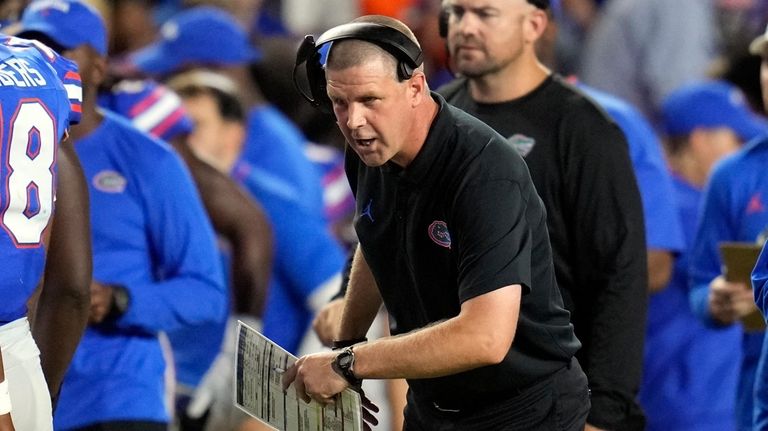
40,97
156,267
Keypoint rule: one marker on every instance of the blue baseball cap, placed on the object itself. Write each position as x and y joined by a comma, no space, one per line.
69,23
202,35
710,104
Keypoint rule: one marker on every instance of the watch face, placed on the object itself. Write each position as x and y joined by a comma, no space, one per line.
345,360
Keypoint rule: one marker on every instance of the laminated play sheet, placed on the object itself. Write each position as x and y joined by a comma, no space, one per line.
259,366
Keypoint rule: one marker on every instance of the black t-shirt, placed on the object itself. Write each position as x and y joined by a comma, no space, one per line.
580,164
463,219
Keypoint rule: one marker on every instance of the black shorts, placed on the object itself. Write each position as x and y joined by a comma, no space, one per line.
559,402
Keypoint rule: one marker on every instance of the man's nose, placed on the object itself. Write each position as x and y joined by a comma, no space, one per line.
355,116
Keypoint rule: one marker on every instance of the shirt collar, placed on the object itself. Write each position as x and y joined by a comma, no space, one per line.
439,132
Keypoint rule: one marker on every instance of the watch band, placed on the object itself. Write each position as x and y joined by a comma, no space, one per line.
340,344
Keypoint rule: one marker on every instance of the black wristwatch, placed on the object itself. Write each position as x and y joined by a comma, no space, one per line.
344,365
120,301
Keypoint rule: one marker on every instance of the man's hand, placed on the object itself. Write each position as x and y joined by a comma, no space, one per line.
101,302
589,427
327,321
729,301
313,378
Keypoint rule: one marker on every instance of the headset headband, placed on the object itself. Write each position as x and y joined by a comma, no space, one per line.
407,53
388,38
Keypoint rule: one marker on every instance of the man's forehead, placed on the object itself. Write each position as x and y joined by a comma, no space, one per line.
376,64
356,76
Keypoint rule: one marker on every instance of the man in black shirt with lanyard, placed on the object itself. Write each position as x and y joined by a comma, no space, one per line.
454,236
580,165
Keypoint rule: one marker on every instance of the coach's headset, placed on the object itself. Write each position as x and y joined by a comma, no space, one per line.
406,52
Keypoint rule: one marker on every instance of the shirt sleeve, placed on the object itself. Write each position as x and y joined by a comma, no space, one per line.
190,288
603,207
152,107
493,238
70,78
306,253
760,410
662,226
714,225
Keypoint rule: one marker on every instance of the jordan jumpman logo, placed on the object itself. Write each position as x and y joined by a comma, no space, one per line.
367,211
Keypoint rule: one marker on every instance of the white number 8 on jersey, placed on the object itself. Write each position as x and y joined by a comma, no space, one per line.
29,158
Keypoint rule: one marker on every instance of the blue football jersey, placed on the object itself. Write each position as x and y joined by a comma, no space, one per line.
40,96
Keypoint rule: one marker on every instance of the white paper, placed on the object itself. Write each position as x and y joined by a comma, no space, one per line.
258,390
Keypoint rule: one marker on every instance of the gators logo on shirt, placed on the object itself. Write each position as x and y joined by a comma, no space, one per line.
438,232
109,182
523,144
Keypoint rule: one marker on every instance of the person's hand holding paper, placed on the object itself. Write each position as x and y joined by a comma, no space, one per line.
731,294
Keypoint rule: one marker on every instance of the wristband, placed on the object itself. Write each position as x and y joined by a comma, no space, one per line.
5,398
342,344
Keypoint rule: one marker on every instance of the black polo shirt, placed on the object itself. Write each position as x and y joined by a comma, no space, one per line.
579,161
463,219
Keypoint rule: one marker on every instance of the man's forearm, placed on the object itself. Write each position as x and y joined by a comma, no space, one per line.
480,335
361,302
614,356
62,309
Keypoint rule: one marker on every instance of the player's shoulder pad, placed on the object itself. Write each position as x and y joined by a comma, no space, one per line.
66,70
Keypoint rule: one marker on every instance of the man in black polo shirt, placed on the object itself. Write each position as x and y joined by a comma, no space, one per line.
454,236
580,164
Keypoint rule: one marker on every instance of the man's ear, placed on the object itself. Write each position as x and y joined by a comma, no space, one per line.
418,90
535,25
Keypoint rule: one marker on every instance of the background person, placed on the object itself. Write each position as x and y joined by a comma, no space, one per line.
581,168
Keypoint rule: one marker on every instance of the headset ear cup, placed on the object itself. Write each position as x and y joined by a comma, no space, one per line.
443,22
